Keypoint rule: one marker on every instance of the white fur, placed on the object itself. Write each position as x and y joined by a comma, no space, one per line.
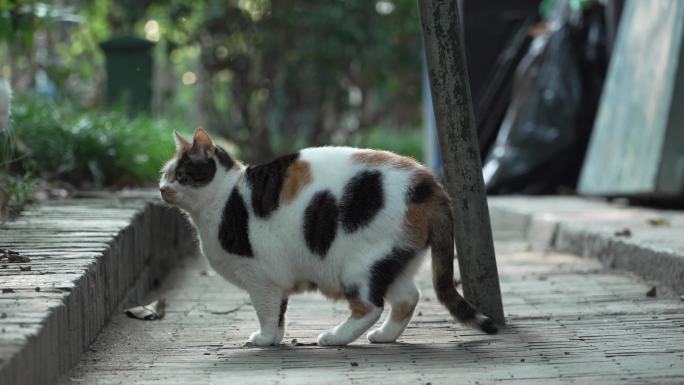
5,104
404,292
281,258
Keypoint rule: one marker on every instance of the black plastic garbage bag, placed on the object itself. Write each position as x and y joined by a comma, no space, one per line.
544,134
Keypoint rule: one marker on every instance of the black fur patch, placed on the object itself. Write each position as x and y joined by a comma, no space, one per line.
385,271
320,222
281,316
266,181
421,190
224,158
233,231
464,310
487,325
195,171
351,292
362,199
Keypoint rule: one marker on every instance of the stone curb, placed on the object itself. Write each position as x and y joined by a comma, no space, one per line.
590,228
87,257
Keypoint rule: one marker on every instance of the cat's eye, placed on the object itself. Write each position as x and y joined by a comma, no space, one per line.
181,177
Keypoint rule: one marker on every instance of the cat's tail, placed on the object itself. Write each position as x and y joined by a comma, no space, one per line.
442,244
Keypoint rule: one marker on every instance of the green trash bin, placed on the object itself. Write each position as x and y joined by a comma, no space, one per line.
129,65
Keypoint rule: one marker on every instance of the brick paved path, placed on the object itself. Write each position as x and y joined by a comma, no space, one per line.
570,321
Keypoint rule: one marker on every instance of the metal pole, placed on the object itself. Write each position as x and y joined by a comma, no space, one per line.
442,35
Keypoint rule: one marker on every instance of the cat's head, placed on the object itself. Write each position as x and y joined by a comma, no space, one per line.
194,172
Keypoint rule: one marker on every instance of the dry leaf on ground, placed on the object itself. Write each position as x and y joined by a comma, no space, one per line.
13,256
658,222
623,233
149,312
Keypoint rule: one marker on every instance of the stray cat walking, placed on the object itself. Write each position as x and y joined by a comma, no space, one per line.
351,223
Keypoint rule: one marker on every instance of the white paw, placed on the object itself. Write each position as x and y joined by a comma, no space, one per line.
332,339
378,336
258,339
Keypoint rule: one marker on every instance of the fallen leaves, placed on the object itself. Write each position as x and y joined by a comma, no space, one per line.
13,257
294,342
623,233
149,312
659,222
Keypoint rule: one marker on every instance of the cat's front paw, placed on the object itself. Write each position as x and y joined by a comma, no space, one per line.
332,339
258,339
378,336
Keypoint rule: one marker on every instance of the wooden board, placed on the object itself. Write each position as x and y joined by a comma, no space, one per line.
637,147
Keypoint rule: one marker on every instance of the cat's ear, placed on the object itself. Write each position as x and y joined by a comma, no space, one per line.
181,142
201,142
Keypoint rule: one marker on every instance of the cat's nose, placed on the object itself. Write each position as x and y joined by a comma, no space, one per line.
167,194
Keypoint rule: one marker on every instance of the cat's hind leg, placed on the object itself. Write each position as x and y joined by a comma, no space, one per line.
403,297
363,315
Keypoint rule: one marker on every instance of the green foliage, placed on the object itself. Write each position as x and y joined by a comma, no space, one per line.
57,40
87,148
270,74
77,63
405,142
275,74
18,22
15,193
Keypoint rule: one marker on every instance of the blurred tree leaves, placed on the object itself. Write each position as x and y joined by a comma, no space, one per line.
271,75
300,72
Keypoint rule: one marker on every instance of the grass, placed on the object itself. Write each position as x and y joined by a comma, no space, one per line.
95,149
88,149
52,143
15,193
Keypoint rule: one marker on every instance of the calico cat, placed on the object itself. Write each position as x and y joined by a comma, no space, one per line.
351,223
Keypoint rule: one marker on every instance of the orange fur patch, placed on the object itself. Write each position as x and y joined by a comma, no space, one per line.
416,224
300,287
359,309
297,177
334,295
401,312
381,158
417,217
